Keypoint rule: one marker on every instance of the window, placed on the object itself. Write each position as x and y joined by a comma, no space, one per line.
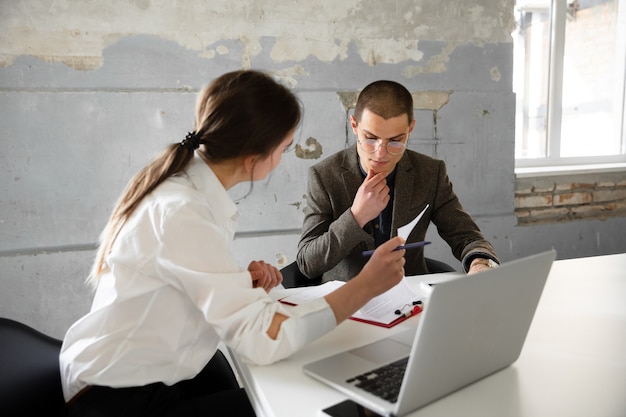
569,79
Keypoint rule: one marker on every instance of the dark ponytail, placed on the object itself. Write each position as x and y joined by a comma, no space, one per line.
239,114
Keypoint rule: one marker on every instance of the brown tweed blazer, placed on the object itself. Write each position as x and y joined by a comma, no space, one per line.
331,242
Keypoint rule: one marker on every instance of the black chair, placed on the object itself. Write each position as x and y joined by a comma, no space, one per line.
293,277
436,267
30,379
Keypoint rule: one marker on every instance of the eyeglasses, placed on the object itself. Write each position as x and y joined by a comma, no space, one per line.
394,147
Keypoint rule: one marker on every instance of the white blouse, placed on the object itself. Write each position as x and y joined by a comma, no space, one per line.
173,291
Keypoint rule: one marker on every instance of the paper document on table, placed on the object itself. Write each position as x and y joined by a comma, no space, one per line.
406,230
387,309
384,308
311,293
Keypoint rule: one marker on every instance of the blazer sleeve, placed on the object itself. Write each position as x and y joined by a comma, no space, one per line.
456,226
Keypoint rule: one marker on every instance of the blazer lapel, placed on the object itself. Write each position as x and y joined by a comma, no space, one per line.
403,195
352,178
351,174
409,199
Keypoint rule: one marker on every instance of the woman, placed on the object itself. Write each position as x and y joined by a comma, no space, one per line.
168,291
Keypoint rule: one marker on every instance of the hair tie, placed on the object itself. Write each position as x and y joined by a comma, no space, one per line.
191,141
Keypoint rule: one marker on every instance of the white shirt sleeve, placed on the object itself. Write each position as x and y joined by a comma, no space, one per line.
194,256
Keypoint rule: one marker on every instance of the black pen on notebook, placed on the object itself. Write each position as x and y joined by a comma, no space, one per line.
407,246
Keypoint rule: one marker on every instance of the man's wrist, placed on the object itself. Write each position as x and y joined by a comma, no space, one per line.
489,263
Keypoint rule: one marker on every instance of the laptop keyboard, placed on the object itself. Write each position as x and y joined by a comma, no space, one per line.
384,382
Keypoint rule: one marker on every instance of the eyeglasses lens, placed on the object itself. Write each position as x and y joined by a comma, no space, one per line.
393,147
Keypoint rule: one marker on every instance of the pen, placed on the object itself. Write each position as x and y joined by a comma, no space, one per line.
409,313
407,246
415,310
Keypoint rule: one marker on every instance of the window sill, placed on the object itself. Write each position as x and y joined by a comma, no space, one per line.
531,172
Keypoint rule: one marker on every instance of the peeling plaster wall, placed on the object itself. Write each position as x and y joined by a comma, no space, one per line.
90,91
76,33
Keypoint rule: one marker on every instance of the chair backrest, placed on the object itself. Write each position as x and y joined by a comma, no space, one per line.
30,379
293,277
436,267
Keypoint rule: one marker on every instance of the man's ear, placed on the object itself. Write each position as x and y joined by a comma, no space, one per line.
412,125
353,123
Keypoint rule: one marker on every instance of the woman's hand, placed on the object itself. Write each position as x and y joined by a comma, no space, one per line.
384,270
264,275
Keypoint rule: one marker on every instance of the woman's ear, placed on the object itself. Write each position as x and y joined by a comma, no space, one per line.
248,163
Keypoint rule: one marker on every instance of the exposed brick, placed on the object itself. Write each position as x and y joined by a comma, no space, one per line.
574,186
551,213
533,201
619,206
544,189
609,195
569,199
606,184
587,211
522,213
562,199
522,191
543,184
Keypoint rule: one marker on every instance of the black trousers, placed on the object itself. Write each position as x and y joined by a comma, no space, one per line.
213,392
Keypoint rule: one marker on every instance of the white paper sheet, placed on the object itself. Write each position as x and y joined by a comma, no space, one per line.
406,230
380,309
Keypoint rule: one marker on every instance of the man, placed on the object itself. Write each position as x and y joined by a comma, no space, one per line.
360,196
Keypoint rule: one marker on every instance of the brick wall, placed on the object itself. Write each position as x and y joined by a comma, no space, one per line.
563,198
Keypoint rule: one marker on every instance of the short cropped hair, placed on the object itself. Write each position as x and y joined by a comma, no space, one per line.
385,98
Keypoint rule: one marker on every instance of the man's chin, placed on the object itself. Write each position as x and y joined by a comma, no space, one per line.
380,170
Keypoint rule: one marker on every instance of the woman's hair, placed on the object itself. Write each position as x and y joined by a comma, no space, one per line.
385,98
241,113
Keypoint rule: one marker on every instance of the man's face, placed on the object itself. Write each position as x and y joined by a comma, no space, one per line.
375,127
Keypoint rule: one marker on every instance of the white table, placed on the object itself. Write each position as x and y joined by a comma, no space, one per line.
573,362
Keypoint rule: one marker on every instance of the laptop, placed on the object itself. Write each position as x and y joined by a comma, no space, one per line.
471,327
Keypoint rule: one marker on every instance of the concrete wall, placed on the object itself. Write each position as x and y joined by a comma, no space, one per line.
90,91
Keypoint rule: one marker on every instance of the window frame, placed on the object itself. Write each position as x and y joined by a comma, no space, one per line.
557,10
